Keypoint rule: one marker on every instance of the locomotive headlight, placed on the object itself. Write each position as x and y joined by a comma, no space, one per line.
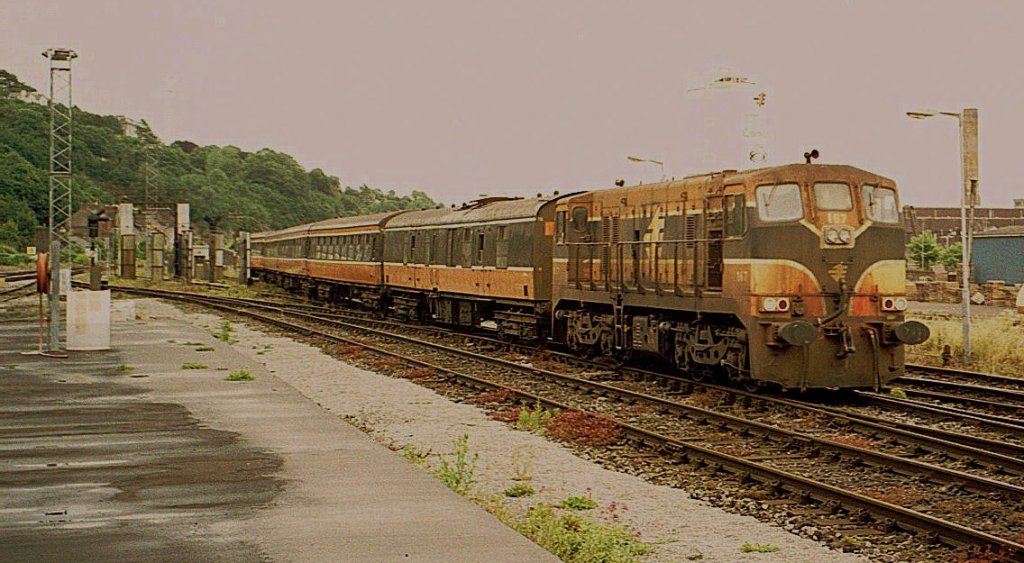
894,303
845,236
832,235
775,305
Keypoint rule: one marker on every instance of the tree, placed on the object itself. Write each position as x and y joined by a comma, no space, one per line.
952,257
925,250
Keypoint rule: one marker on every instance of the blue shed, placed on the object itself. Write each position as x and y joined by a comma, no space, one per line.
999,255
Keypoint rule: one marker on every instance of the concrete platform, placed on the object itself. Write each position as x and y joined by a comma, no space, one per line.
125,455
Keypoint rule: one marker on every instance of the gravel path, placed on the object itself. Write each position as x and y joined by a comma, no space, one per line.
403,414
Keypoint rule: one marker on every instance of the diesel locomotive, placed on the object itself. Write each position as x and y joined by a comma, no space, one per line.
790,275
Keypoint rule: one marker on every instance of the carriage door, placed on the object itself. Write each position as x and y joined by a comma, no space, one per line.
610,259
714,225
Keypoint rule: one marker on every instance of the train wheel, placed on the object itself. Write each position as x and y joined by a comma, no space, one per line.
606,343
680,358
571,341
753,385
702,375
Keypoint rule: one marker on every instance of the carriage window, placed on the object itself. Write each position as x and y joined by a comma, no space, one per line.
579,218
480,249
735,215
880,204
779,202
832,196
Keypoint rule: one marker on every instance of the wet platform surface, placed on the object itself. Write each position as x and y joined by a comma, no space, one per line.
125,455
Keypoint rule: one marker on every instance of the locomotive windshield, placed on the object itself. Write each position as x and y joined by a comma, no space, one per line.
779,202
880,204
832,196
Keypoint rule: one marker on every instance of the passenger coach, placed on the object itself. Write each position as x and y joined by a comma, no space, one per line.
487,261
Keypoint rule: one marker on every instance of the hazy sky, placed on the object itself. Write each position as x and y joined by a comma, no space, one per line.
461,98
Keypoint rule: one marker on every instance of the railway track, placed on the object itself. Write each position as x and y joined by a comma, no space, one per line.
788,462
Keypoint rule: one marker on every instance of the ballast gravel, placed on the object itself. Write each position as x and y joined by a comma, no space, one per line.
406,416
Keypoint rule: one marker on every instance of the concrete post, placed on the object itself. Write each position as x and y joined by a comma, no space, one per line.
127,257
242,257
216,262
156,254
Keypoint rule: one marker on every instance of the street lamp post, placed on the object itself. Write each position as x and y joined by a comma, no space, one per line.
650,160
968,159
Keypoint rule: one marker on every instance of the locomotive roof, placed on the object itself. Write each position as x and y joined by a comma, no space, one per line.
486,212
786,172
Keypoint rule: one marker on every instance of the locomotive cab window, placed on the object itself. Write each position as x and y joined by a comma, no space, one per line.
832,196
779,202
560,226
880,204
579,219
735,215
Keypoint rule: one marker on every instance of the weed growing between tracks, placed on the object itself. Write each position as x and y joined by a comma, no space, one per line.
193,365
583,427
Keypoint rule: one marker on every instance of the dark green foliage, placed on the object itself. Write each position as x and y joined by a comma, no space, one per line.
227,187
925,251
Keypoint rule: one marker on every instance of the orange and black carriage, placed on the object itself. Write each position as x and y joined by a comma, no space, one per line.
335,259
791,275
487,264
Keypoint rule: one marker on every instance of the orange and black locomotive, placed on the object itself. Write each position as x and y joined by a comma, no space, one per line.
790,275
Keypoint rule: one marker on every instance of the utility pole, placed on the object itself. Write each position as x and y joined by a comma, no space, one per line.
60,106
969,197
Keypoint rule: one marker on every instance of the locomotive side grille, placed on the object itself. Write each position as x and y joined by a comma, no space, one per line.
691,230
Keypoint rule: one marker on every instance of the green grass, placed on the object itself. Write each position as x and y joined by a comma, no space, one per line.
519,490
193,343
535,419
193,365
997,344
458,473
897,393
205,349
578,503
240,375
125,367
224,332
759,548
577,539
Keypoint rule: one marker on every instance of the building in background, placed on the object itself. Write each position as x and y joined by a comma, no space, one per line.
999,255
944,222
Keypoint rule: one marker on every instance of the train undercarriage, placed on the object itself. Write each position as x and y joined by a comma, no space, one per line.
703,346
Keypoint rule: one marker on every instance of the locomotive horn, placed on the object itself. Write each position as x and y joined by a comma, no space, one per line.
811,155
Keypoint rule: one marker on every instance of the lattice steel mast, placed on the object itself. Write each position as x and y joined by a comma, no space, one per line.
60,176
60,143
